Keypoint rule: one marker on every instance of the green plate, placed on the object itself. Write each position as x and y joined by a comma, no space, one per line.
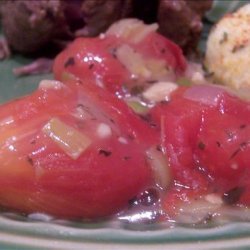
12,86
17,232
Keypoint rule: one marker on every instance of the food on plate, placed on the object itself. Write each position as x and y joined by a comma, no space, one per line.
129,57
206,135
77,151
208,162
129,129
72,152
228,50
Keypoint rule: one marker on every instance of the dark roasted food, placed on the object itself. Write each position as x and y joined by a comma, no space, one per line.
181,21
31,25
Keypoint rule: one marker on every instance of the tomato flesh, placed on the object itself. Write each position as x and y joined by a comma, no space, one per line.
94,60
207,145
38,176
204,136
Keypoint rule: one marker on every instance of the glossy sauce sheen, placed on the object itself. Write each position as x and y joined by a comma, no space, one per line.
77,150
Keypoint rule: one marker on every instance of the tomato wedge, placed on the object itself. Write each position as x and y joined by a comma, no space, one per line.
206,134
71,152
118,64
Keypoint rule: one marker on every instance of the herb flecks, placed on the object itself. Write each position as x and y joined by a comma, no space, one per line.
30,160
33,142
148,118
113,52
106,153
126,158
224,38
209,74
241,148
238,47
201,145
91,66
242,126
163,50
69,62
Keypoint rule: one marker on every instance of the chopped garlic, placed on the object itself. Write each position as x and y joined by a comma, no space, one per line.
102,36
139,66
234,166
198,78
6,121
160,167
70,140
40,217
214,199
133,61
132,29
160,91
99,82
39,170
123,140
104,130
50,84
196,211
80,113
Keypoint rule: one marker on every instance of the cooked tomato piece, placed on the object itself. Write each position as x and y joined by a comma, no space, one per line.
224,148
92,60
206,133
180,120
72,152
118,64
157,46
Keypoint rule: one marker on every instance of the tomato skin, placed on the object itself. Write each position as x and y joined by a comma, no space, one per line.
180,123
76,189
207,145
38,176
226,153
93,60
158,46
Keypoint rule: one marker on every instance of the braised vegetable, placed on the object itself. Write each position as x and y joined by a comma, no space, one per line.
71,152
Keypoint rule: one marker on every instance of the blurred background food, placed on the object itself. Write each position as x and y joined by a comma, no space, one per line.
30,26
227,56
29,38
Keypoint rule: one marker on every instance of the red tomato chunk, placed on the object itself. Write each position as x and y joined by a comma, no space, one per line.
90,170
75,150
208,144
119,65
